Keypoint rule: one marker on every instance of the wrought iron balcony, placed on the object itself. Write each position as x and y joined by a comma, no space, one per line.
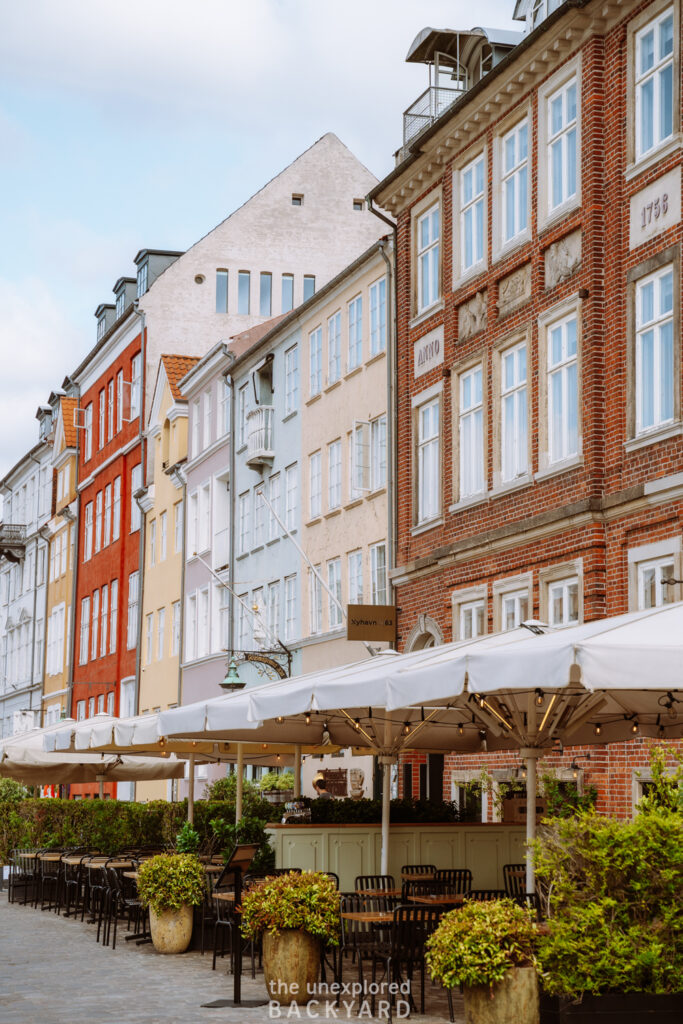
260,423
425,110
12,541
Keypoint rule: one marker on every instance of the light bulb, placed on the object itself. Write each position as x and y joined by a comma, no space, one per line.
356,724
598,730
406,728
634,728
460,729
539,698
308,718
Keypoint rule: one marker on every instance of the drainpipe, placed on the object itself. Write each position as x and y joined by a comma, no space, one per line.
39,533
74,572
233,505
181,625
143,517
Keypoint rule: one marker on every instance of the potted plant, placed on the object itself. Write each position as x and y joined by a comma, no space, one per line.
488,948
277,787
171,885
294,914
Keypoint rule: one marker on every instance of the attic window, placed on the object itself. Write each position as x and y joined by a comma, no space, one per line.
101,327
358,204
142,280
297,199
120,303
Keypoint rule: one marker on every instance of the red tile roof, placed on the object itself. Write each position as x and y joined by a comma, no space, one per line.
68,407
241,343
176,367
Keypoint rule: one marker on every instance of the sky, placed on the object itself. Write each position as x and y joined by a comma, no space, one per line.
143,124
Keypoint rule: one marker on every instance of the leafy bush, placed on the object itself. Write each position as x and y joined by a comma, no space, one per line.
564,798
368,812
275,780
248,830
11,791
308,901
187,840
478,943
226,789
612,893
169,881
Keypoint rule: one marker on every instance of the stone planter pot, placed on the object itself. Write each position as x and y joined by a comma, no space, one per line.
513,1001
615,1008
291,965
171,930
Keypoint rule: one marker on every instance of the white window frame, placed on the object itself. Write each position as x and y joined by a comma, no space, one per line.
291,496
515,588
315,602
471,421
116,506
653,74
274,499
84,646
355,576
315,485
470,204
561,588
290,606
334,348
315,362
334,582
378,573
519,177
662,370
355,329
657,556
334,475
291,380
428,257
562,449
133,610
428,463
378,316
113,615
546,213
378,452
512,394
135,485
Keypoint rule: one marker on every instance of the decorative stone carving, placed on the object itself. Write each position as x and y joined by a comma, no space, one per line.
472,316
514,290
562,259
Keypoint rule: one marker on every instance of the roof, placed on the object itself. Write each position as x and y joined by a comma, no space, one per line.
241,343
456,42
176,367
68,409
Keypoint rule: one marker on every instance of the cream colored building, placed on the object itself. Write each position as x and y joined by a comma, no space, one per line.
60,564
163,505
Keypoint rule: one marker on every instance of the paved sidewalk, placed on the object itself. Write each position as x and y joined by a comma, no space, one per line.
52,971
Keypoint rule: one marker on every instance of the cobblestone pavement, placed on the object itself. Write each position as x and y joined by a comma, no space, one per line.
52,971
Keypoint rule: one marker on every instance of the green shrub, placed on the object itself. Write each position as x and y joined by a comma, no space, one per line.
226,789
369,812
11,791
248,830
308,901
275,780
478,943
169,881
187,840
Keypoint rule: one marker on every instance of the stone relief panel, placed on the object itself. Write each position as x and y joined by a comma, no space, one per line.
562,259
472,316
514,290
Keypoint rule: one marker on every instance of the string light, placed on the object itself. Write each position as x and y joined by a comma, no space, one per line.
539,698
634,728
460,729
280,719
308,718
406,728
356,724
598,730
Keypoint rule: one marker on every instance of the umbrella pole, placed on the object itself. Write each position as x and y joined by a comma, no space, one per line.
297,771
190,790
386,807
531,756
239,788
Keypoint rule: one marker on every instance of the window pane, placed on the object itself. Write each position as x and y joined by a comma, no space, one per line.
265,305
243,280
287,292
221,291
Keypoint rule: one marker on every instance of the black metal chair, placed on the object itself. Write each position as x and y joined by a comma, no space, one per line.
363,941
412,926
458,880
22,876
334,877
482,895
418,869
374,883
514,879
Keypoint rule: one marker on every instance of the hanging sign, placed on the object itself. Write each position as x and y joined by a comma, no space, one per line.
371,622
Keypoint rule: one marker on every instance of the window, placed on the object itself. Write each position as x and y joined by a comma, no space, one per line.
80,710
514,181
471,420
161,633
162,536
359,460
133,596
193,523
244,512
194,413
290,607
191,628
222,604
153,543
104,616
514,608
101,327
654,80
175,614
85,631
378,573
378,453
266,294
95,624
428,284
243,631
87,442
242,409
562,390
428,456
653,590
87,540
297,199
315,479
243,289
378,316
355,332
355,559
106,532
472,248
110,410
334,477
315,343
119,400
259,518
273,609
135,386
563,602
178,526
111,698
309,286
472,616
562,154
654,350
315,601
334,348
207,419
274,500
291,379
149,637
135,484
141,280
225,394
55,641
102,411
98,521
113,615
291,496
287,292
221,291
334,583
514,457
116,524
100,704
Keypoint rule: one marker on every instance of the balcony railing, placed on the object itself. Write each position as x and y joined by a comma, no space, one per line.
425,110
12,541
260,422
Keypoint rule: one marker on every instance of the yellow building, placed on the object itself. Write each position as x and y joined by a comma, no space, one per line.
163,505
61,554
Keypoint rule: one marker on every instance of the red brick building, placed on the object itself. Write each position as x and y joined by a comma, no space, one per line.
539,384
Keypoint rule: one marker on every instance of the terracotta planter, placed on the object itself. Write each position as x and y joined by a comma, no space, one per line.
171,930
291,965
513,1001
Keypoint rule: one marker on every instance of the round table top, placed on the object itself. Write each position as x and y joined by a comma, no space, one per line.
378,892
50,857
368,916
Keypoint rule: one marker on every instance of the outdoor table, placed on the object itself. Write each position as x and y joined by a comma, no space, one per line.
378,892
409,876
131,874
119,864
438,898
213,869
74,859
369,916
229,897
52,858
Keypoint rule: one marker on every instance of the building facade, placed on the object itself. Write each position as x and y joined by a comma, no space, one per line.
539,371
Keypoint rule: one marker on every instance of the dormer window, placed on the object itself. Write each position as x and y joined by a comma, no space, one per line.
101,327
142,280
120,303
539,10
